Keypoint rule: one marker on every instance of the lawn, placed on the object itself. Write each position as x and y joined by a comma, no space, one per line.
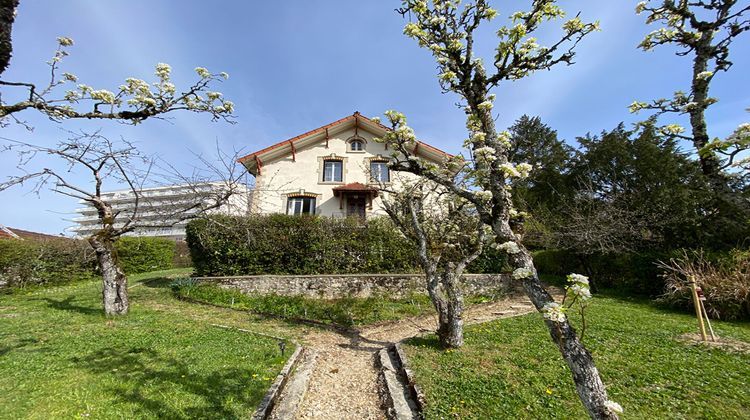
510,369
345,312
61,358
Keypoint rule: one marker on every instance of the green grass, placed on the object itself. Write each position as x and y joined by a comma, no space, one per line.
347,312
61,358
344,312
510,369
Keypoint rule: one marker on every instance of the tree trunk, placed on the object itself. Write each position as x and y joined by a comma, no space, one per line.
7,16
586,377
114,282
448,301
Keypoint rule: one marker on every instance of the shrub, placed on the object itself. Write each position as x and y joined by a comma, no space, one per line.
45,262
139,255
632,273
281,244
725,280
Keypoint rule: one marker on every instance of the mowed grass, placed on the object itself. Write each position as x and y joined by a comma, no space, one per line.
346,312
510,368
60,357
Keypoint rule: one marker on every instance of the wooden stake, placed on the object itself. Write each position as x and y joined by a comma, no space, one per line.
697,304
708,321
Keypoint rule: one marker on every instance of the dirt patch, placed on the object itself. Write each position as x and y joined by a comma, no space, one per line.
723,343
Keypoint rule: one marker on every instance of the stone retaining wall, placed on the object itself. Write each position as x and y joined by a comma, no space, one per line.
359,285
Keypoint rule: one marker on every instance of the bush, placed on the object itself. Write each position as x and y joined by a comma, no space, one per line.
139,255
281,244
632,273
45,262
724,278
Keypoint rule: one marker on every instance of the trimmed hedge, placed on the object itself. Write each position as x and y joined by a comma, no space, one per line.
45,262
281,244
139,255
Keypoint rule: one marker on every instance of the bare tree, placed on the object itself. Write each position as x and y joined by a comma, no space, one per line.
705,30
448,235
447,29
121,163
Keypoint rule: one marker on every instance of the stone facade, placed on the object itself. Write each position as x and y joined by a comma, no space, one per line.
360,285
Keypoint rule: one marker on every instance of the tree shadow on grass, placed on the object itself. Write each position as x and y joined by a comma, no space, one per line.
145,377
157,283
425,341
68,305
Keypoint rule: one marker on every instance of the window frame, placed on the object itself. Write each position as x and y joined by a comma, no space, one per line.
387,171
301,199
333,172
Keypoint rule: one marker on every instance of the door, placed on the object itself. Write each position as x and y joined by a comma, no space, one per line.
355,206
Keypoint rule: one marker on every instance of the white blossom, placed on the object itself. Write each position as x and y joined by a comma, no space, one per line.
553,311
704,75
70,77
509,170
672,129
524,169
487,105
582,292
203,72
103,95
224,75
640,7
613,407
484,195
578,278
163,70
522,273
64,41
510,247
213,95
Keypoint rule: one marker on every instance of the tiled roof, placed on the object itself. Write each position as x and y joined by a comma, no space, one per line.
322,129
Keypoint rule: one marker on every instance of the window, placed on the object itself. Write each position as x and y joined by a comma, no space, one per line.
356,146
379,172
333,171
300,205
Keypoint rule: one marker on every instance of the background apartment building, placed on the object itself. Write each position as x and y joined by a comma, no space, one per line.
162,209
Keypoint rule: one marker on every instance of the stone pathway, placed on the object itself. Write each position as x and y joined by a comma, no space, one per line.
343,383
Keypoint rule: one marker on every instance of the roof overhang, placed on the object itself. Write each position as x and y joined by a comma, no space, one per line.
254,161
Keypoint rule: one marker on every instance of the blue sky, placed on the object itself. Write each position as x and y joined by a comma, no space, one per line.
299,64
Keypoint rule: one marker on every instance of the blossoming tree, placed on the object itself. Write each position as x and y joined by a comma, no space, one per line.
704,30
133,101
447,235
447,28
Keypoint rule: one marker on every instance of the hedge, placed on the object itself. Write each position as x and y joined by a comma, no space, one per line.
48,262
45,262
281,244
142,254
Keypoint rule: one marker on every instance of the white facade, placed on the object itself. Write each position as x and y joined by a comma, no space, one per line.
331,171
162,208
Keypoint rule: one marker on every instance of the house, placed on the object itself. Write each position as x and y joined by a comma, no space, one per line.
333,170
161,209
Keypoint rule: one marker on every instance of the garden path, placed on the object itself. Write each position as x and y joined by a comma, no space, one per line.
344,380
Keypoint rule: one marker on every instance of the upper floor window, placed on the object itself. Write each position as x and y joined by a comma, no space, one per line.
379,171
356,145
300,205
333,171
